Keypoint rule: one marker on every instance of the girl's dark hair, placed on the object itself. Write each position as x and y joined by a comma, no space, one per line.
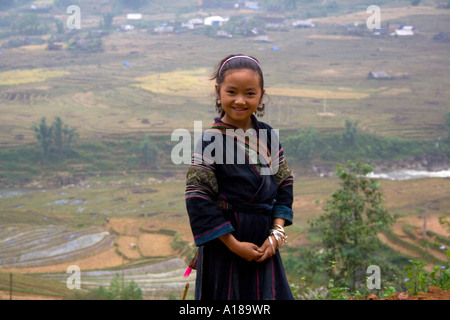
241,62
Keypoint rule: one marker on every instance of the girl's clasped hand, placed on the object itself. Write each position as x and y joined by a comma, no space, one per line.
250,251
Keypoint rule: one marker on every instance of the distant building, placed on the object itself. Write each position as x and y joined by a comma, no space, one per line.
134,16
40,8
378,75
164,29
303,24
272,22
191,24
252,5
401,30
126,27
263,39
215,21
403,33
196,21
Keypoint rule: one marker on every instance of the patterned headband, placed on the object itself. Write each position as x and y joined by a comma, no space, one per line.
234,57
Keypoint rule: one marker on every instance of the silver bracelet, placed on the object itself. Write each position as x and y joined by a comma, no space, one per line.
279,227
271,243
279,235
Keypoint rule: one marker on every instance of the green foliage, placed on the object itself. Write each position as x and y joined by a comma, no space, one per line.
59,26
302,145
63,138
149,153
349,135
43,134
308,144
447,120
243,26
107,21
54,140
29,25
418,279
135,4
351,221
118,290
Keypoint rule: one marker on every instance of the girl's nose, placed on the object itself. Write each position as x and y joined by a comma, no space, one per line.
239,100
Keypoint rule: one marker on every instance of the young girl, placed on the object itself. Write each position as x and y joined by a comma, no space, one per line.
237,213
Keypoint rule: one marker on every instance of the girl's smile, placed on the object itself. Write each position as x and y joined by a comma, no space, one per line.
240,94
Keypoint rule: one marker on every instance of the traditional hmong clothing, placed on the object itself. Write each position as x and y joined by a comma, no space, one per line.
238,198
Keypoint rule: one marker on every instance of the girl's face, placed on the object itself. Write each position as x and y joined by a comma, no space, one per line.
240,94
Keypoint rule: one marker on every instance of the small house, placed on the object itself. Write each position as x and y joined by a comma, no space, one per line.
378,75
253,5
272,22
262,39
40,8
303,24
403,33
126,27
215,21
192,23
164,29
134,16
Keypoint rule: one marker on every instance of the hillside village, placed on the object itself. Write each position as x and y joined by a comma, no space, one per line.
242,19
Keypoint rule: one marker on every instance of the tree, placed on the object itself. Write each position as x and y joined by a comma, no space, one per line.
69,134
118,290
290,4
56,139
447,119
108,18
353,217
43,134
149,153
29,25
135,4
303,144
63,137
59,26
349,135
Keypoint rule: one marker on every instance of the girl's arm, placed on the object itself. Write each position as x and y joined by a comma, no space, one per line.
246,250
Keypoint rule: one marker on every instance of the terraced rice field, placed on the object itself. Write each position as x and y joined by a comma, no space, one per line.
26,246
46,252
25,76
139,248
156,280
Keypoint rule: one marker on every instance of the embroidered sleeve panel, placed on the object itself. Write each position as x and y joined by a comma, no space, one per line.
284,174
284,199
200,180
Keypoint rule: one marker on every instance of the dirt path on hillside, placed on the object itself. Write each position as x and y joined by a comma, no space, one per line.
433,293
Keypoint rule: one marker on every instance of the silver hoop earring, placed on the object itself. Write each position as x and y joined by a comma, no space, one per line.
219,109
260,111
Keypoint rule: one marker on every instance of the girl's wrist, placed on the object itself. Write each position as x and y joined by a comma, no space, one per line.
229,241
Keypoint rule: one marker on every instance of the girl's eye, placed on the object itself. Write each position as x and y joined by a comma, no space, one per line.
230,92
